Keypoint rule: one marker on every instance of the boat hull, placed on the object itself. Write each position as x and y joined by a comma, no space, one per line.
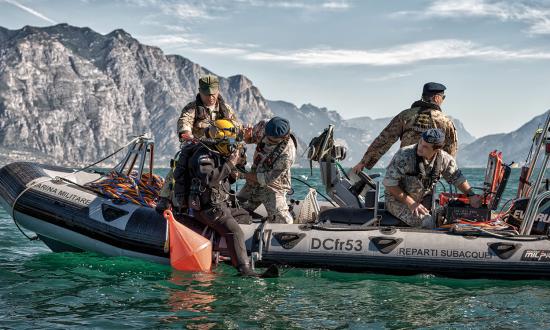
70,218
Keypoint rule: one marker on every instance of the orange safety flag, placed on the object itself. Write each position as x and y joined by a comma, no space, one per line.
189,251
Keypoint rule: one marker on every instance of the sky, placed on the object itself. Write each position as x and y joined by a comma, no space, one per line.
358,57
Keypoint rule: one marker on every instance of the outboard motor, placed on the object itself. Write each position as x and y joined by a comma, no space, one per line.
356,194
347,190
541,225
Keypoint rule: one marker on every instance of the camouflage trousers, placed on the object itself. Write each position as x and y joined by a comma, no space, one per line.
251,197
402,212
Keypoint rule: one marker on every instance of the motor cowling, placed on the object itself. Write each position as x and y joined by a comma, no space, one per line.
541,225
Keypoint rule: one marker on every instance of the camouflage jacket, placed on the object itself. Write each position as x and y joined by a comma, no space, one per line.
403,172
408,126
274,172
195,117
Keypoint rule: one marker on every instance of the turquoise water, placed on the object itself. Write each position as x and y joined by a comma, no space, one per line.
41,289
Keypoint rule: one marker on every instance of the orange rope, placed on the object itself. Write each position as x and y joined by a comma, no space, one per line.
129,188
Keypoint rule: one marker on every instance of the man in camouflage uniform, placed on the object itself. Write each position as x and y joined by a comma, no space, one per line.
409,125
412,175
195,118
269,179
208,106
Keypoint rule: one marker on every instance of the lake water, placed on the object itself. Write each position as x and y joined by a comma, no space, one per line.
41,289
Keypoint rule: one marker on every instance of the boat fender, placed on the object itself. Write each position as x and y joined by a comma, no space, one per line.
288,240
385,244
504,250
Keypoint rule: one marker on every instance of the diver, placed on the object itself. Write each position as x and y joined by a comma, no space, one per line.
203,175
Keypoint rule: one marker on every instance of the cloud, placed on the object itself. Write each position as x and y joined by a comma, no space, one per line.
334,5
537,16
222,51
30,11
389,76
185,11
169,40
445,49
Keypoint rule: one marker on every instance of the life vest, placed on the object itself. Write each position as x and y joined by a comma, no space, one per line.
202,113
423,119
273,156
428,180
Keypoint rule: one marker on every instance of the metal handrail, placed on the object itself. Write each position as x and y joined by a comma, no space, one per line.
534,198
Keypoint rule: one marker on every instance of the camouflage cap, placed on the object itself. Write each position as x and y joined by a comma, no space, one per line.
209,84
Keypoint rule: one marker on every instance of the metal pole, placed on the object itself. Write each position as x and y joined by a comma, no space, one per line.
534,158
529,218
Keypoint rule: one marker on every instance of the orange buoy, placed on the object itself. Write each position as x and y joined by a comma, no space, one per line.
189,251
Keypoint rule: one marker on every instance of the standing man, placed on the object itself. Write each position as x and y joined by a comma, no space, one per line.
412,175
195,118
409,125
268,181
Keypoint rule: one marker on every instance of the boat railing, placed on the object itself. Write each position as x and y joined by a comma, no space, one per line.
140,153
536,198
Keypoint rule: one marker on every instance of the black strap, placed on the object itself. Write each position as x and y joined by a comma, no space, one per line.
428,179
275,154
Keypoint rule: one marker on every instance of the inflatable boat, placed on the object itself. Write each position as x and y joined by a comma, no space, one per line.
352,232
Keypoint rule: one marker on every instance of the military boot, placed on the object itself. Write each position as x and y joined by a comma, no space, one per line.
247,271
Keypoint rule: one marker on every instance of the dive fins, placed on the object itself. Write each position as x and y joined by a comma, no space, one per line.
271,272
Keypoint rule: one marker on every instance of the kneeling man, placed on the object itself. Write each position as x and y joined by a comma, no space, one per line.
412,175
269,180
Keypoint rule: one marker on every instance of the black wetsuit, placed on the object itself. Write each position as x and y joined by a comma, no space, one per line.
204,179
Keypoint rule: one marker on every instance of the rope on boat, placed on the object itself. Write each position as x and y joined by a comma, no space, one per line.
64,178
129,188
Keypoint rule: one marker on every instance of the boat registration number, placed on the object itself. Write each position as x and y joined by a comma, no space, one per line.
331,244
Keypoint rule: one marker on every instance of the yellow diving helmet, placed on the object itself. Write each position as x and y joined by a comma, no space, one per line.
224,132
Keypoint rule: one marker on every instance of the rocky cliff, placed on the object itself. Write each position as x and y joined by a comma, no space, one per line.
514,145
70,95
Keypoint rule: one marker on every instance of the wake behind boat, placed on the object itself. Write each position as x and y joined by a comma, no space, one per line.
352,232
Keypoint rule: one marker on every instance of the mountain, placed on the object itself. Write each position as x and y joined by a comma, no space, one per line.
70,95
514,145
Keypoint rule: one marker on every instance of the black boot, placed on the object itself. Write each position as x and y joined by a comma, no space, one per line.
271,272
247,271
163,204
